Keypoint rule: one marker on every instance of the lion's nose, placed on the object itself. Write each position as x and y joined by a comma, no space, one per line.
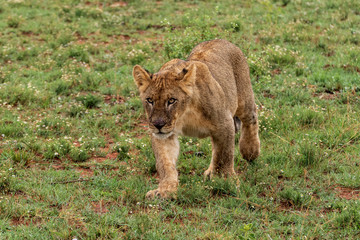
159,123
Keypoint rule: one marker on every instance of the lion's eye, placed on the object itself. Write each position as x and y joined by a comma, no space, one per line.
171,101
149,100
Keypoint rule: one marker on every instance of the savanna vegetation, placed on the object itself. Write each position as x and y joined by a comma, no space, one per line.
75,156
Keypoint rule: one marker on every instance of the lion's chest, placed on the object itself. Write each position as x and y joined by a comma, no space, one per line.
192,124
194,131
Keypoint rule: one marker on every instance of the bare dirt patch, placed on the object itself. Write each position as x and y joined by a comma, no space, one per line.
327,66
111,155
94,4
32,35
99,207
118,4
327,95
17,221
267,94
77,144
276,72
92,39
120,37
113,99
179,220
142,124
330,53
85,172
29,33
58,167
348,193
351,68
346,67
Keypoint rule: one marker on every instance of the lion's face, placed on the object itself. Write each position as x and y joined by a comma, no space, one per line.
165,96
163,106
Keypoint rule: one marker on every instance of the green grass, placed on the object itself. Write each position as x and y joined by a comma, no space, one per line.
75,156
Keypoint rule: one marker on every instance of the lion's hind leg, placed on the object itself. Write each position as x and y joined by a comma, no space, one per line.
249,139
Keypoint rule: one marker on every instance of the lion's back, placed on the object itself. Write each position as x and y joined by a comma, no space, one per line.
228,66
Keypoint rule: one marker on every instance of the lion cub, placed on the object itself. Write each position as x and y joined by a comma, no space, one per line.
203,96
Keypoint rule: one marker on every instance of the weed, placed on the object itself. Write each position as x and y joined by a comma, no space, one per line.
309,155
280,57
348,218
258,65
192,192
79,53
20,157
13,21
136,56
79,155
76,111
90,101
90,82
234,26
15,95
7,173
57,149
123,152
294,197
180,42
62,88
220,187
64,38
12,129
309,118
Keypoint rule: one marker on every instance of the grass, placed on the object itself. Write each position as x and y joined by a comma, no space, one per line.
75,156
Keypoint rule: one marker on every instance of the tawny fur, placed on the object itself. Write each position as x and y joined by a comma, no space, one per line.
200,97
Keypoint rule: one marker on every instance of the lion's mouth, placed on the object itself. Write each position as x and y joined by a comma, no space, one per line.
163,135
162,131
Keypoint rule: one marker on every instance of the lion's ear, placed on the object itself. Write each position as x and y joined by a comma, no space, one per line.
142,78
188,79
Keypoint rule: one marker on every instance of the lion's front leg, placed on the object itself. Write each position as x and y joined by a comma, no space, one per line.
222,162
166,153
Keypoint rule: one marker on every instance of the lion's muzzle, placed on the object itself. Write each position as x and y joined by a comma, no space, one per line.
158,123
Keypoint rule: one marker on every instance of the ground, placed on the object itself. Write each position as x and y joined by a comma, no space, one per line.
75,155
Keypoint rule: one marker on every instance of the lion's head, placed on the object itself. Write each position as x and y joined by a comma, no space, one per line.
165,94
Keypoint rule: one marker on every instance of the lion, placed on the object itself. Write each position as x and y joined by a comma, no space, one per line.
207,95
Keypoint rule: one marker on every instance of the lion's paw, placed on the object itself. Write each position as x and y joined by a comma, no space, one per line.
250,150
161,194
210,172
153,193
